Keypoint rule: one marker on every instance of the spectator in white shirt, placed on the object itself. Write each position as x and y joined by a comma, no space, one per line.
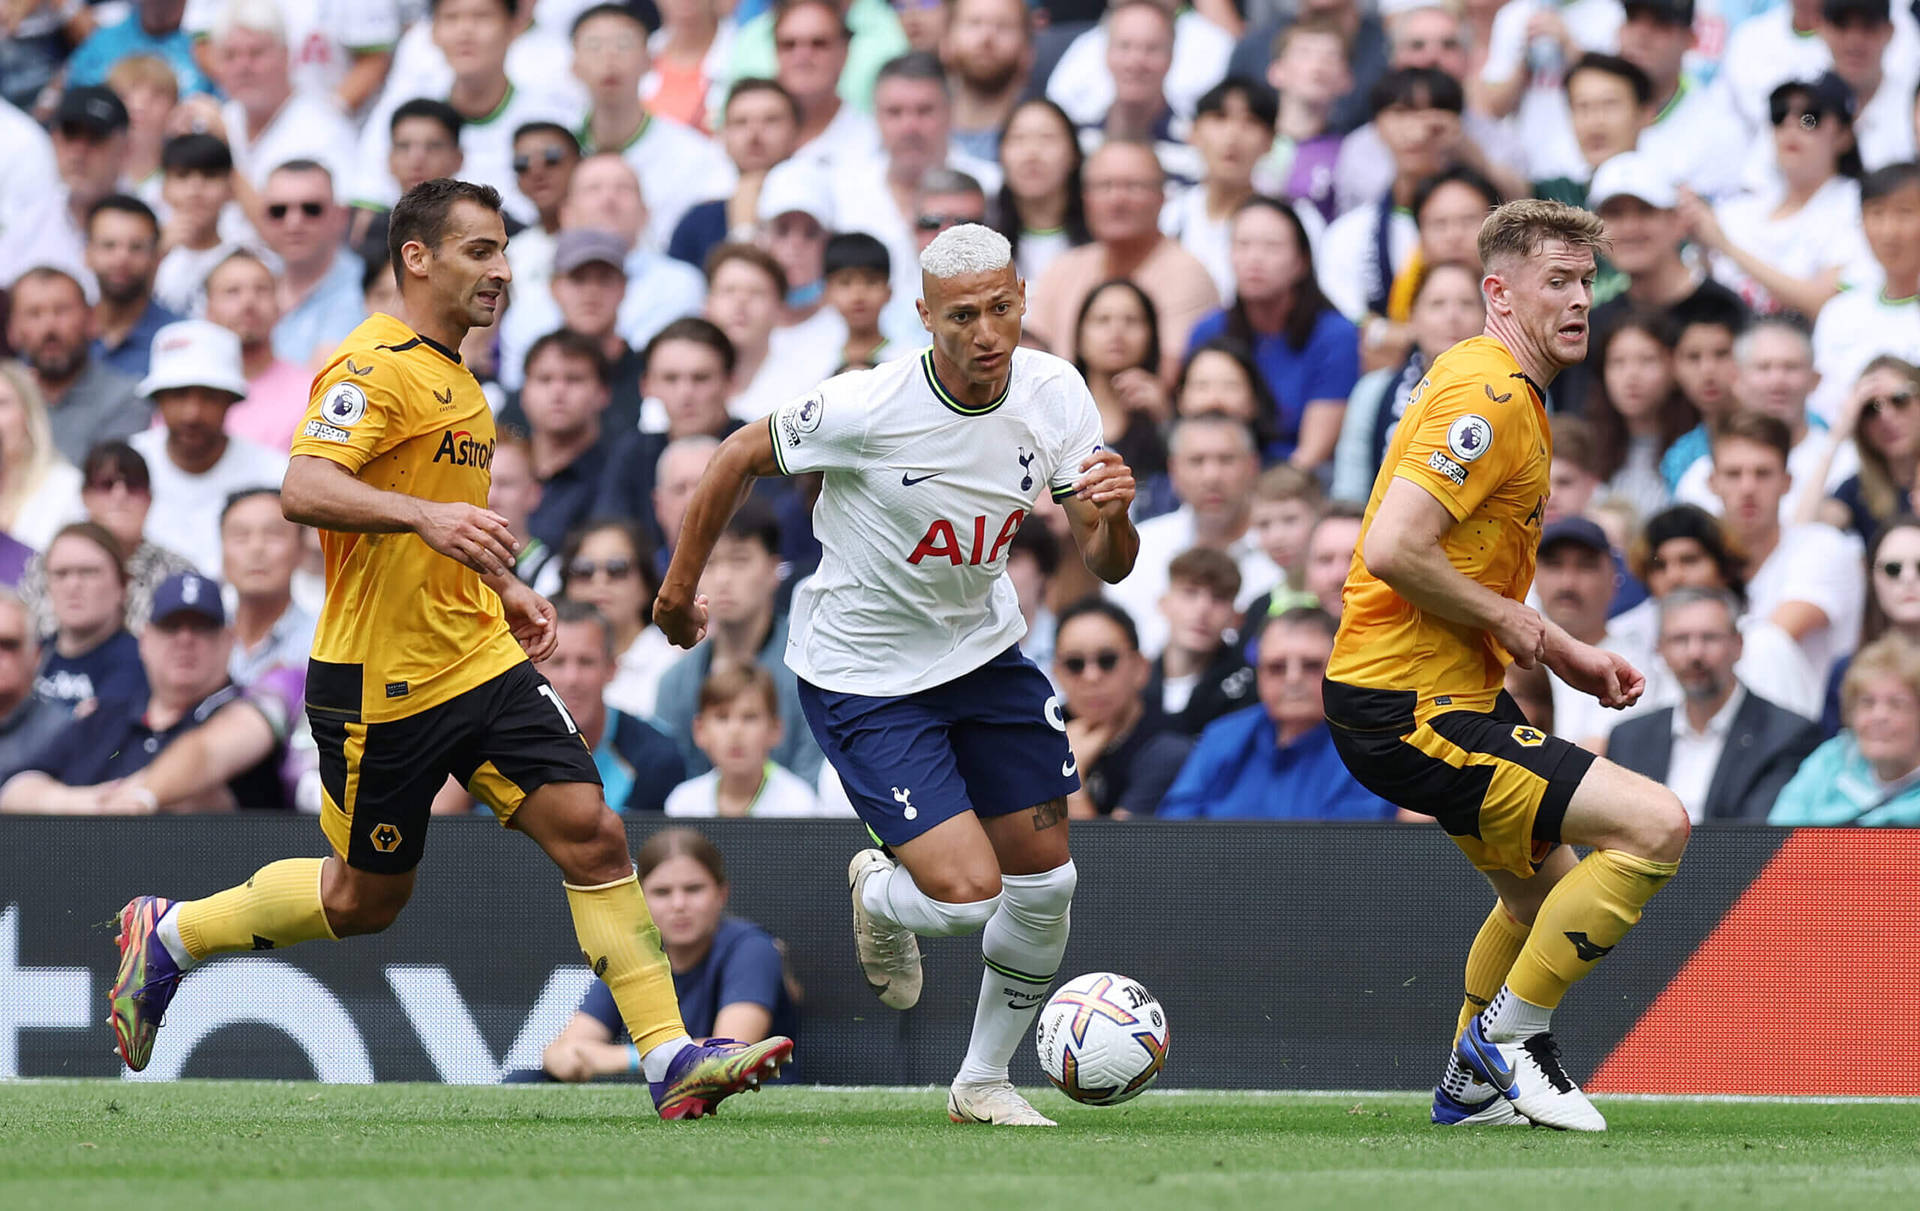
264,120
340,49
1863,322
544,157
196,186
1140,36
738,727
1656,36
1083,84
1531,45
1860,36
423,143
260,550
746,292
1042,206
1212,464
810,42
1805,578
1233,127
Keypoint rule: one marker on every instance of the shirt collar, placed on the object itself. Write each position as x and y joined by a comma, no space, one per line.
1719,725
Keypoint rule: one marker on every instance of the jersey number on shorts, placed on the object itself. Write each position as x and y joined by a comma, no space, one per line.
566,717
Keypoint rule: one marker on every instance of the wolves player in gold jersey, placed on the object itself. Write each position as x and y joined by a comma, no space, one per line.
1434,611
421,669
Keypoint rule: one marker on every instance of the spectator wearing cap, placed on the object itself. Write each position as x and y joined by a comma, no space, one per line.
762,129
1656,37
796,220
243,298
828,54
152,27
260,550
28,721
116,494
1725,751
123,252
746,627
121,759
1882,71
196,465
1125,189
1123,746
90,151
600,246
1575,581
39,489
1083,82
1792,246
91,654
1863,323
87,400
1610,101
677,165
321,300
1429,34
1530,47
1275,760
265,120
987,51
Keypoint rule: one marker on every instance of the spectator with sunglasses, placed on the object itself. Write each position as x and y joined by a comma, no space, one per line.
1862,323
610,565
320,295
1893,603
1126,751
1275,760
1882,422
544,157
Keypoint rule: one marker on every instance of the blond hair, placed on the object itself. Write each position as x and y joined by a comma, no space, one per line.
144,71
1891,655
730,682
1517,229
26,469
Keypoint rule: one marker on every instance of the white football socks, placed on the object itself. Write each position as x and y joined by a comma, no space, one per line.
1022,946
657,1060
893,896
169,931
1510,1019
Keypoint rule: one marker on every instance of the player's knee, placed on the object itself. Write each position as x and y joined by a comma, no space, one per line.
1660,833
362,907
1043,897
593,849
961,917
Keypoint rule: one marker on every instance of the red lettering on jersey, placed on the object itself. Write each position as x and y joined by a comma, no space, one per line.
939,540
979,539
1007,531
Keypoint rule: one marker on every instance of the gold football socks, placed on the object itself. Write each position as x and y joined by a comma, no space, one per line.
1495,948
1583,918
279,906
622,946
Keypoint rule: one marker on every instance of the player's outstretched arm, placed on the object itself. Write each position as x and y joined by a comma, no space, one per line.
1403,548
1097,511
320,492
678,610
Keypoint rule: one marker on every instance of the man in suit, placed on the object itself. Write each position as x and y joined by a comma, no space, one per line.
1724,750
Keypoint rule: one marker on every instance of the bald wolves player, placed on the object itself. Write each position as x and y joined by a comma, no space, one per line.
949,741
416,674
1434,611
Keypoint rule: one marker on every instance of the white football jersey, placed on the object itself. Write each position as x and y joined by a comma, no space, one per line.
921,500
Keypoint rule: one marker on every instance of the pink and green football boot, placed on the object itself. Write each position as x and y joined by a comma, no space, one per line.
704,1075
146,983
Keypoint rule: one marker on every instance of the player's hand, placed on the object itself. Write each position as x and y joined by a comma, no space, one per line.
532,620
1524,635
680,615
1107,482
468,534
1605,675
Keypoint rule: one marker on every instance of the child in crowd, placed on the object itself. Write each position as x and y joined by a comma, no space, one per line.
737,728
856,267
1705,373
196,183
1286,503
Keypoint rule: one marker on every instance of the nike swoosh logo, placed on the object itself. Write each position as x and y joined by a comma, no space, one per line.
907,481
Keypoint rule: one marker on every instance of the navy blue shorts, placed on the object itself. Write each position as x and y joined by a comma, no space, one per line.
992,743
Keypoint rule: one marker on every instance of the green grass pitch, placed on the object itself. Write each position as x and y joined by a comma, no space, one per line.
288,1147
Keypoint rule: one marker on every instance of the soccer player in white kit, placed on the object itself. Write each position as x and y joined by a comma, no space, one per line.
950,743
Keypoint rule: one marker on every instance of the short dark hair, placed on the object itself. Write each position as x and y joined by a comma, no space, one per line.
568,343
49,273
1096,604
244,494
421,215
1760,428
1620,69
122,203
99,536
851,250
1694,523
1262,102
914,65
1458,174
196,153
755,522
433,111
118,459
547,128
512,7
1416,88
568,610
1889,179
1706,310
1150,351
694,330
760,84
606,10
301,165
1035,539
752,254
1300,616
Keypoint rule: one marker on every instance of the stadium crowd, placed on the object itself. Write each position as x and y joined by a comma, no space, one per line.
1250,223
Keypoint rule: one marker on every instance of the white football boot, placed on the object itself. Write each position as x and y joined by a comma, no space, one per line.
889,953
1481,1106
1528,1072
995,1102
